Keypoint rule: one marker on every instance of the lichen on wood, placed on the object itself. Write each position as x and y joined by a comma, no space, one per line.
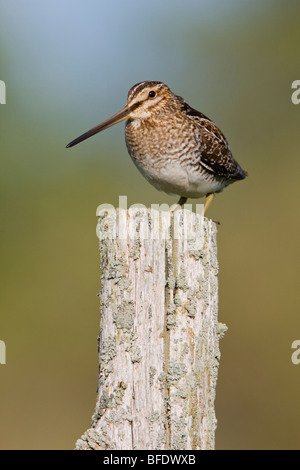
159,333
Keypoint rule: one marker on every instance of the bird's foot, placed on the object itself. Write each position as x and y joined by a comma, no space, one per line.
178,204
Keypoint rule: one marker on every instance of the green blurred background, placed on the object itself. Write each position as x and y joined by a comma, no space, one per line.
67,66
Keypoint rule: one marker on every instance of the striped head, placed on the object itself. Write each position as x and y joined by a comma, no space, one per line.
144,99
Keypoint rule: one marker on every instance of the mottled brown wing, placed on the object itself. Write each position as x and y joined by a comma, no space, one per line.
215,154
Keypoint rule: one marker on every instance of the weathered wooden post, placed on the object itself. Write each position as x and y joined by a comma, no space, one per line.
159,335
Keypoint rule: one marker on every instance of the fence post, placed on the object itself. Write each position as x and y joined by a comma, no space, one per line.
159,332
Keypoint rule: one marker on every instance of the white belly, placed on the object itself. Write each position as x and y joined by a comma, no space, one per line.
173,178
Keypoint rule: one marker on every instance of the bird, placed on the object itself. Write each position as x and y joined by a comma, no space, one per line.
177,149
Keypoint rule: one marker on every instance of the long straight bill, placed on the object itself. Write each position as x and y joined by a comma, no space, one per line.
120,116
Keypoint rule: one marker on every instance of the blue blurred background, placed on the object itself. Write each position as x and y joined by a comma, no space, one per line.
67,66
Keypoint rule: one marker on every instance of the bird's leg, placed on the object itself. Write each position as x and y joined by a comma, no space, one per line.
208,201
180,203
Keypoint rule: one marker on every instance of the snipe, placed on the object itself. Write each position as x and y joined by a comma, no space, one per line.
178,149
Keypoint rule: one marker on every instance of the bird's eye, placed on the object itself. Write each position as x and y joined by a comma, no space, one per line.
152,94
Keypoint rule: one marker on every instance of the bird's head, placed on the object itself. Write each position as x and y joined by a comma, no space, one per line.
144,100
